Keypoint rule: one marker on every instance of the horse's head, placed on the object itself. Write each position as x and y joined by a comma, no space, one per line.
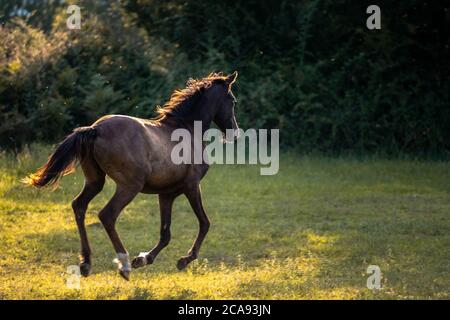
214,96
224,116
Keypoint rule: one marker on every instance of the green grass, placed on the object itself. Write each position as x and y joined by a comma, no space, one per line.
309,232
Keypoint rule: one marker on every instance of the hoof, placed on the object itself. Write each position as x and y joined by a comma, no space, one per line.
125,274
182,263
123,262
138,262
85,269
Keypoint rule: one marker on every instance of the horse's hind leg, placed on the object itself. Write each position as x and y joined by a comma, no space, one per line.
195,199
108,216
94,181
165,208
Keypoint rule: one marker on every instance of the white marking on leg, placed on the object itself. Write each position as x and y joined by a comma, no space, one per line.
143,255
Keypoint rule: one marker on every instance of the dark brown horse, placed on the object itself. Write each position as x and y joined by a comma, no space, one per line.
136,154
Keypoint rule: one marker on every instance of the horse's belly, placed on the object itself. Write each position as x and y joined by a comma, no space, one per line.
168,177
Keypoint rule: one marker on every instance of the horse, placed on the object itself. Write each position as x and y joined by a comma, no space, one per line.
136,154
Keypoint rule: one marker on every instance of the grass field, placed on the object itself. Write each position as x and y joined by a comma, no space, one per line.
309,232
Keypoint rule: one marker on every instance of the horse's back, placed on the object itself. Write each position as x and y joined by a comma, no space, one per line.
113,125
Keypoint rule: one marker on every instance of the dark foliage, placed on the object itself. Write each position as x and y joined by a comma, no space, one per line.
310,68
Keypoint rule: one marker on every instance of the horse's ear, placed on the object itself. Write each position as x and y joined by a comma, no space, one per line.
231,78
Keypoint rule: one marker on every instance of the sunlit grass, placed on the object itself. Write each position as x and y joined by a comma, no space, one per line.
309,232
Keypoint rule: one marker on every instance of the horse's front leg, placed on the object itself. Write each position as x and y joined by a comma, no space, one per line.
165,207
195,199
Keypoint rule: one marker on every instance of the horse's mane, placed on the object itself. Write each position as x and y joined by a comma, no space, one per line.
181,101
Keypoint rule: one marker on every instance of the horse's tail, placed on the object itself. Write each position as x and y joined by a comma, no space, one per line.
77,146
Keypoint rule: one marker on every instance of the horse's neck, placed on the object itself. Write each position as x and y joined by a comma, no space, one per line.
198,125
199,118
